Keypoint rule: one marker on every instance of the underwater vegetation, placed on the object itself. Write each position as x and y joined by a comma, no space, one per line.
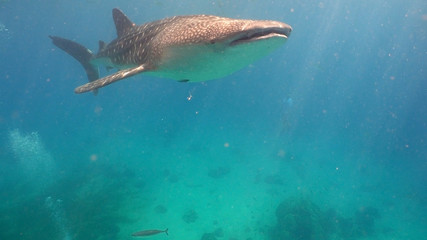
298,218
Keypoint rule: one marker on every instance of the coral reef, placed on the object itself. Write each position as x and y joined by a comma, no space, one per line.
208,236
218,233
160,209
190,216
299,218
218,172
273,180
173,178
364,220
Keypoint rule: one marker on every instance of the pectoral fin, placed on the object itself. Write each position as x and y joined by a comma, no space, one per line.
110,79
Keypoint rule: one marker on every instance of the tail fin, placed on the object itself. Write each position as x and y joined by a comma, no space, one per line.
80,53
166,231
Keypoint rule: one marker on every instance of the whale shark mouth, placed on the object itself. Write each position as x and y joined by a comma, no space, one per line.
260,34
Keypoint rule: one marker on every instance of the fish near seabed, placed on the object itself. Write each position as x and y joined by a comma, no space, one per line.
146,233
184,48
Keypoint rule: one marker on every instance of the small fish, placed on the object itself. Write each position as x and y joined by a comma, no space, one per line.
146,233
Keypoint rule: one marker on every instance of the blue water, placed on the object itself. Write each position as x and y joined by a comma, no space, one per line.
323,139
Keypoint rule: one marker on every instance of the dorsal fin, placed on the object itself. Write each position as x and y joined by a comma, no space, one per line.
123,23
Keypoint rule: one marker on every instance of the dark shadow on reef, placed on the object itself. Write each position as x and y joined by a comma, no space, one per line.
300,219
190,216
218,172
218,233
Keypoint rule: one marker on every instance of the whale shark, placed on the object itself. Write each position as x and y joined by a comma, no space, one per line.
190,48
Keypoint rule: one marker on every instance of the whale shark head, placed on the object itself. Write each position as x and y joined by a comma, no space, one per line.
200,48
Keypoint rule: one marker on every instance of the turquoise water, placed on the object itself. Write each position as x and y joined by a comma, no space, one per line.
323,139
